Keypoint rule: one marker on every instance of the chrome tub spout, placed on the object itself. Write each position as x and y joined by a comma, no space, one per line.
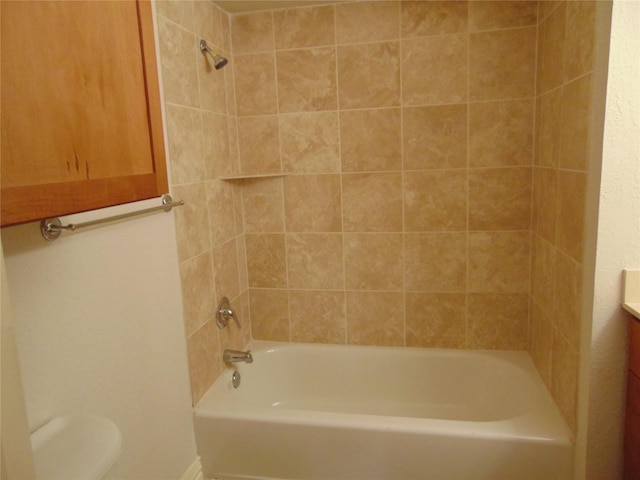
234,356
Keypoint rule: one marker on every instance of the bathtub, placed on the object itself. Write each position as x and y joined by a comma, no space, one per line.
336,412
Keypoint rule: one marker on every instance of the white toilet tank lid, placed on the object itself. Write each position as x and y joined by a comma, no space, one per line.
75,447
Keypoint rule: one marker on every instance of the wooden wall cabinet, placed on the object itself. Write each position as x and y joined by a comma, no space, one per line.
632,420
80,108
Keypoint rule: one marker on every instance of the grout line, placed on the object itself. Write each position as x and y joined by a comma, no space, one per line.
468,187
280,181
341,173
402,179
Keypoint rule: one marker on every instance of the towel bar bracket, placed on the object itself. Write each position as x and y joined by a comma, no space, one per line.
51,228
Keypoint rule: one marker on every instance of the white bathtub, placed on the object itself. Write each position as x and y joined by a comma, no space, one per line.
334,412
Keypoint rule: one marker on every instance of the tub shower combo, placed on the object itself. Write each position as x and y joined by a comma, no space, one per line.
306,411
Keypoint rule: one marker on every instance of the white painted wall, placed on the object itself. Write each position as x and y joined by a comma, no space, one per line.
618,247
99,329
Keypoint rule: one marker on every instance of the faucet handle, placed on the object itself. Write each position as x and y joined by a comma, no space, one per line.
224,313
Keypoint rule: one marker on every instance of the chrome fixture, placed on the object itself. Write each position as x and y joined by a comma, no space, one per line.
218,60
51,228
235,379
225,313
235,356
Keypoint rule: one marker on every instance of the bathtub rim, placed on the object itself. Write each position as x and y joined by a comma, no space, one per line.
543,424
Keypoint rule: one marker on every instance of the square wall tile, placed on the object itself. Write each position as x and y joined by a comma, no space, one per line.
543,275
177,11
370,140
541,342
212,84
222,221
307,80
434,69
252,32
549,129
435,320
433,17
318,316
368,21
192,220
313,203
372,202
375,318
373,261
498,321
545,203
492,15
369,75
225,266
259,145
203,354
551,38
310,142
500,199
434,137
315,261
435,200
580,42
266,261
435,262
178,51
196,280
184,139
499,262
571,204
215,145
270,315
567,296
263,205
502,64
208,21
564,378
255,84
576,114
304,27
501,133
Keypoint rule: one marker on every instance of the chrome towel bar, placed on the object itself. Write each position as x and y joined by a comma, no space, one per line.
51,228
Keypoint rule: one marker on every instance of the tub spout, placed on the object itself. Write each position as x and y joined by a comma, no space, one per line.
233,356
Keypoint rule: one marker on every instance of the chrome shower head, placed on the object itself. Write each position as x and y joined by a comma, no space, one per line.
218,60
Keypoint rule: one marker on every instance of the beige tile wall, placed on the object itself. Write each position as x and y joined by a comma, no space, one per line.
202,142
406,133
405,130
565,65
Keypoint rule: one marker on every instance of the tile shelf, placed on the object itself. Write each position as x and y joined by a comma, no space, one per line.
253,176
631,292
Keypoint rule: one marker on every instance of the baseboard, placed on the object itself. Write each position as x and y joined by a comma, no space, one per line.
194,472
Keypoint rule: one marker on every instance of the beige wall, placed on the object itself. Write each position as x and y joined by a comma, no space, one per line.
200,109
566,40
406,133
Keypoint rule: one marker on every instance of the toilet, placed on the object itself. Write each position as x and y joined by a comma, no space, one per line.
76,447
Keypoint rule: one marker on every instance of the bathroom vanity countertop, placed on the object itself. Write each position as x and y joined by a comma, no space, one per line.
631,292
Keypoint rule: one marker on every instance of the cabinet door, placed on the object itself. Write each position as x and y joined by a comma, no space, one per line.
80,107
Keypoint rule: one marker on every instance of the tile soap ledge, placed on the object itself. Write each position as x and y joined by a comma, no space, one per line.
631,292
252,176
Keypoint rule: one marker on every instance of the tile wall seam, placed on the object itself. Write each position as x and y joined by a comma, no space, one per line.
533,177
467,339
403,179
234,121
281,181
341,173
